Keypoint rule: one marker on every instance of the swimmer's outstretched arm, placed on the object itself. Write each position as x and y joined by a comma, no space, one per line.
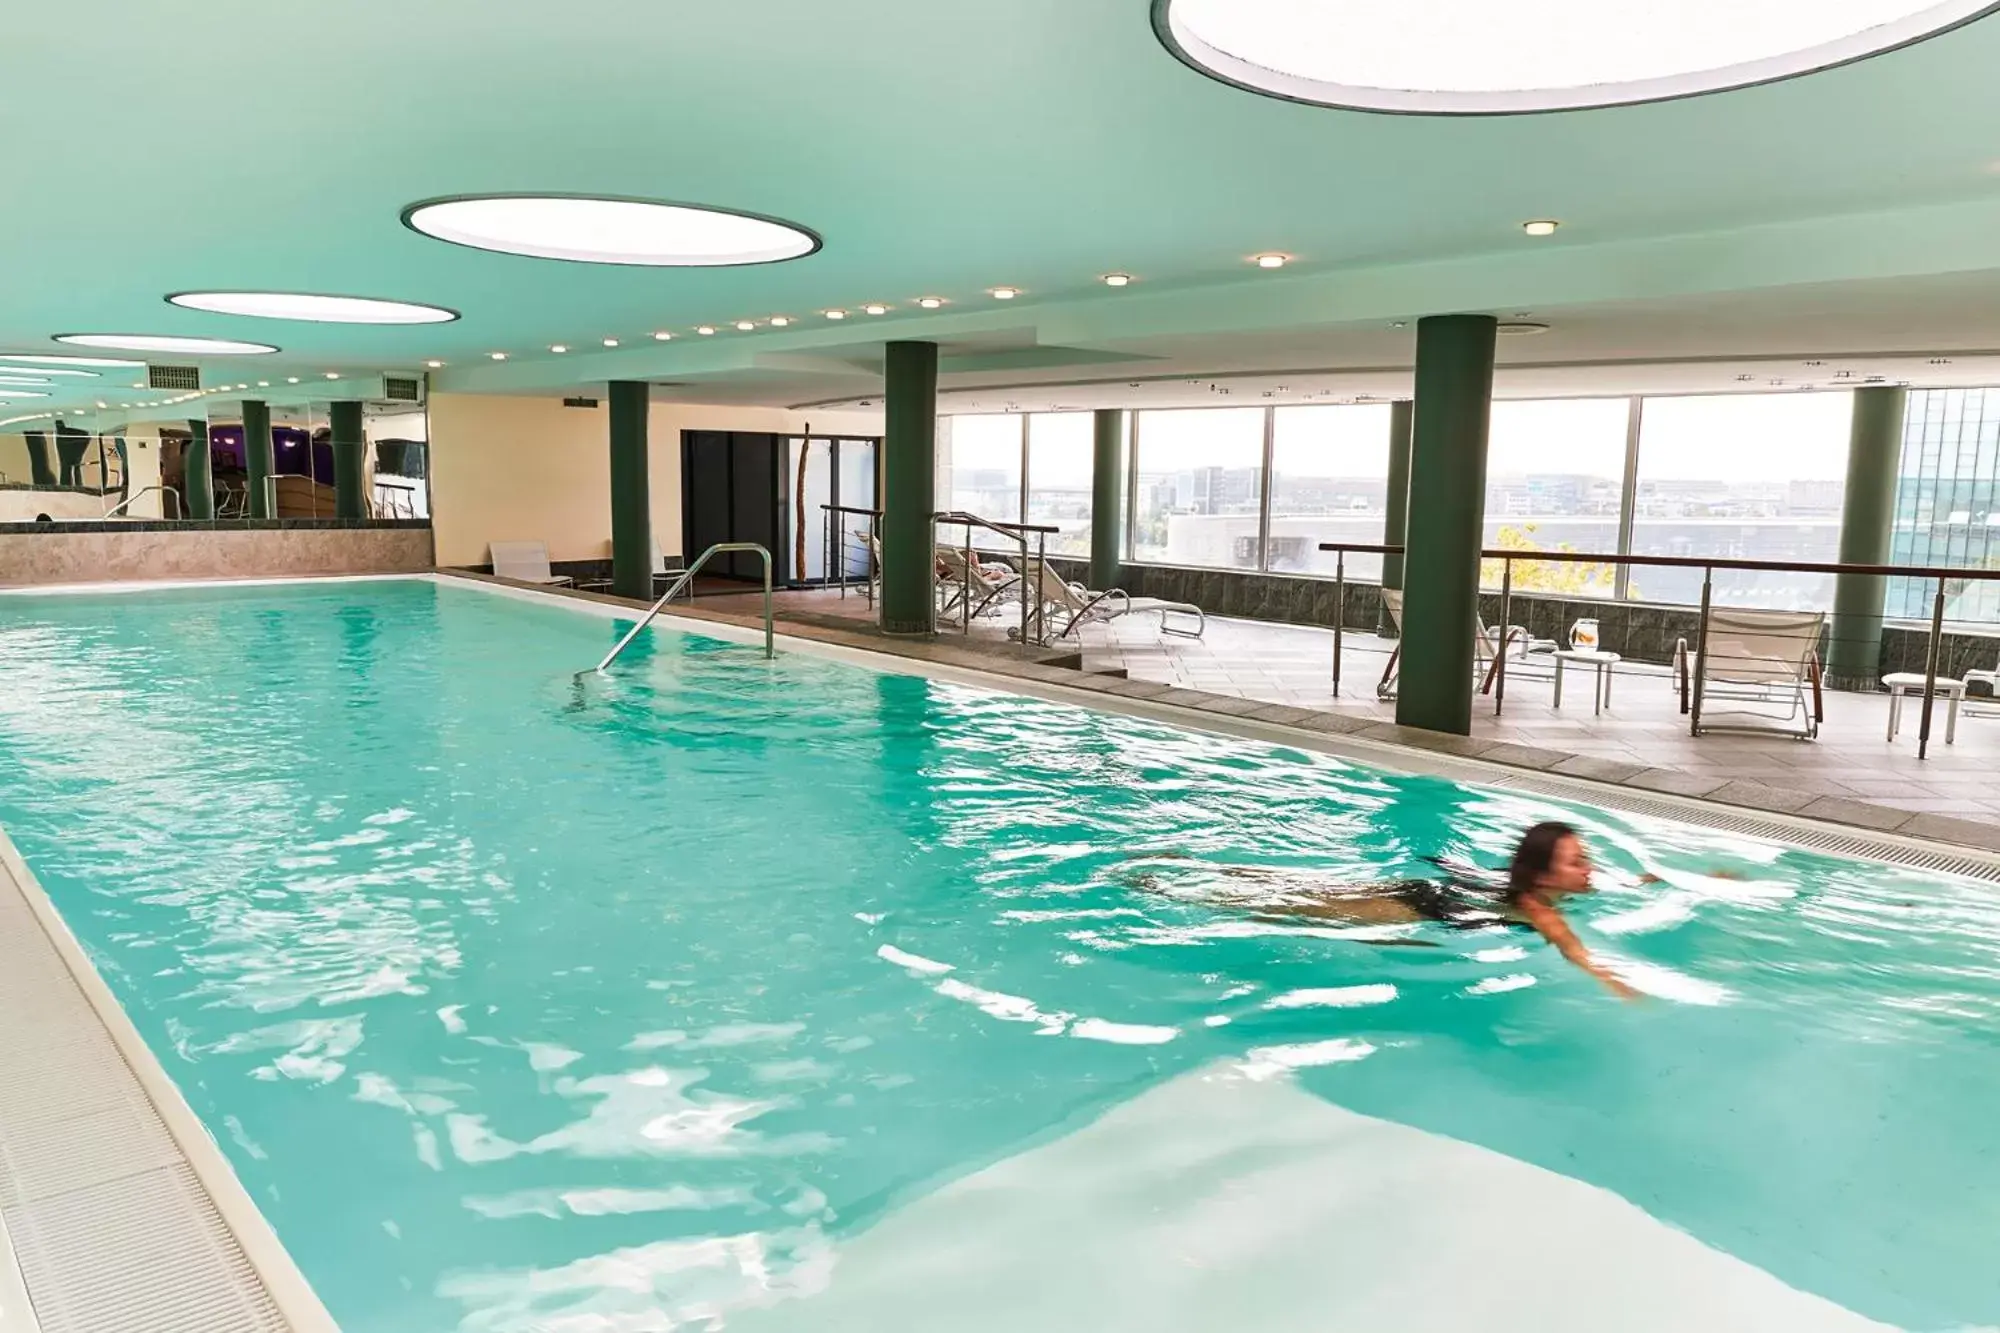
1549,923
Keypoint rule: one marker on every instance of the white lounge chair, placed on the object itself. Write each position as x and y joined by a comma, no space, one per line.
1485,645
983,585
526,562
1757,657
1074,605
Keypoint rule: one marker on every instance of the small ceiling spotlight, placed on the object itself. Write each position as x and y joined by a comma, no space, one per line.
610,342
1005,293
745,325
930,302
706,330
331,374
780,321
558,348
876,309
497,356
1541,227
836,314
1272,260
294,379
263,384
1520,329
663,336
1117,280
434,365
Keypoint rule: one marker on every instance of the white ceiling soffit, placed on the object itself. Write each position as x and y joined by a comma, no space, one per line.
949,150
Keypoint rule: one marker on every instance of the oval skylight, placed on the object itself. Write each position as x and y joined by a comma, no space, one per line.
1469,57
149,342
315,309
610,231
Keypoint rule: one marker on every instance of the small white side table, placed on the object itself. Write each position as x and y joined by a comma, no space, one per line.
1911,683
1599,662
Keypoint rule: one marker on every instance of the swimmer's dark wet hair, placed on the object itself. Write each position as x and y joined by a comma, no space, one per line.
1534,855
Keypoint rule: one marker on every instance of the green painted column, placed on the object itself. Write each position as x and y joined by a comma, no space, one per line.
1454,404
1396,508
258,458
909,485
41,467
198,473
631,492
1107,496
1867,525
350,454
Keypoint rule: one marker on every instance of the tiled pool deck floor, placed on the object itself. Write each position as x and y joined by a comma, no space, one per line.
1283,673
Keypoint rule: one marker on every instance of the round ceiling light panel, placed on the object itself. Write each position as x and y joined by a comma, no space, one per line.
313,309
1474,57
39,360
149,342
610,231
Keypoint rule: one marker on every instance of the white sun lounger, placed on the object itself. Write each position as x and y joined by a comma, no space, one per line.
1484,648
1078,605
1757,657
526,562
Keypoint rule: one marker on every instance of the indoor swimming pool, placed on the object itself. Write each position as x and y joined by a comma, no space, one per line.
724,993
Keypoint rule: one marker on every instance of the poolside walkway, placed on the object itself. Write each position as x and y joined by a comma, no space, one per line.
1851,775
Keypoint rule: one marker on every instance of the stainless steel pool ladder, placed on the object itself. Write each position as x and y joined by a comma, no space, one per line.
687,577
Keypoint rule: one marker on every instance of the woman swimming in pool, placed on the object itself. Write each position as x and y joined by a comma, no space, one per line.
1549,864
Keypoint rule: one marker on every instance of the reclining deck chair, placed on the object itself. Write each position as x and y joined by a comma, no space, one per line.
1759,657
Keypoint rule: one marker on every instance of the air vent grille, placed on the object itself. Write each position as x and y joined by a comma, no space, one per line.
401,389
173,377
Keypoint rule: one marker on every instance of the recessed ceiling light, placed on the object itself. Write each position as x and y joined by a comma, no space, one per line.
330,375
291,379
313,309
149,342
780,321
1520,329
746,324
836,314
497,356
663,336
1541,227
876,309
558,348
706,330
435,365
1117,279
930,302
610,342
1473,57
1005,293
39,360
1272,261
263,384
609,231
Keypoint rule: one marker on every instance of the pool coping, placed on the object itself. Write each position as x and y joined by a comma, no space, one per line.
1823,822
231,1211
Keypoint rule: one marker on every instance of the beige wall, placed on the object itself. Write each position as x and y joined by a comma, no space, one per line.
522,469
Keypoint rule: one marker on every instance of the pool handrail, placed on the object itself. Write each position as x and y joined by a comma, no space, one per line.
687,577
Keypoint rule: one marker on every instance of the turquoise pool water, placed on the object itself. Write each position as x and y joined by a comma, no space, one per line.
510,1012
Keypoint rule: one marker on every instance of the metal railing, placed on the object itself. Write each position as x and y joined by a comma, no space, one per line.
180,510
1708,566
687,577
833,545
1030,573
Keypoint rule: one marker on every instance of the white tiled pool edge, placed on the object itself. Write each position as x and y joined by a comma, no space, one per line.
278,1280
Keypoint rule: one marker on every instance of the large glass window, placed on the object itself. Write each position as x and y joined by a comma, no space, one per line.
1199,487
1555,471
1745,476
1329,483
985,476
1060,449
1948,502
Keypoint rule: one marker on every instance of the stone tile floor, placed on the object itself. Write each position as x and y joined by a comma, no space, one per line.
1283,673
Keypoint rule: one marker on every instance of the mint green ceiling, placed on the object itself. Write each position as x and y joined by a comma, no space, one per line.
938,148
